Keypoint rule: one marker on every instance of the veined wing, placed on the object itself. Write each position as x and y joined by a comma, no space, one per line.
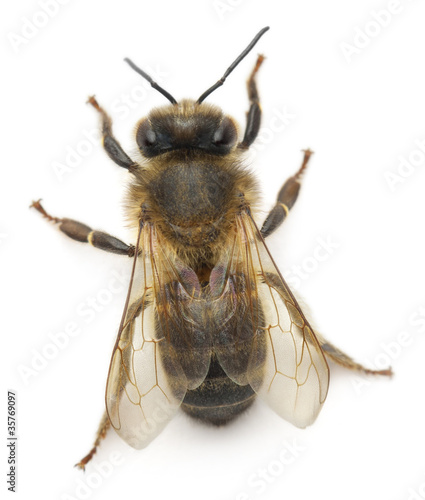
267,342
161,348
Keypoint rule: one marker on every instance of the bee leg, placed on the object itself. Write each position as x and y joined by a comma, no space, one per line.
111,145
334,354
254,114
286,199
104,426
80,232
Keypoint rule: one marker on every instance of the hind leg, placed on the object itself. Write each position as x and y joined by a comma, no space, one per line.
337,356
104,426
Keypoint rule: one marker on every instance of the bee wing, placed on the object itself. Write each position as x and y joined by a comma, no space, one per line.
278,353
160,350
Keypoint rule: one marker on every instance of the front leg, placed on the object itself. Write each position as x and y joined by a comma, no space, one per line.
254,114
286,199
85,234
110,144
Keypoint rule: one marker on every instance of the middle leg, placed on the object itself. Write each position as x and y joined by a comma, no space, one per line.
286,199
85,234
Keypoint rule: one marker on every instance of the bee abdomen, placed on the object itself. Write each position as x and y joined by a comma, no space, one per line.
218,399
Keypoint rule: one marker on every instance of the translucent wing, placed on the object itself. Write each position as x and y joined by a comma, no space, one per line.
161,348
268,342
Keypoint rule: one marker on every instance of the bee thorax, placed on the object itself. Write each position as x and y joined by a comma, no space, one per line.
192,194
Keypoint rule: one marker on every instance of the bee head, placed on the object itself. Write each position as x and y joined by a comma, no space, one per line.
186,125
189,124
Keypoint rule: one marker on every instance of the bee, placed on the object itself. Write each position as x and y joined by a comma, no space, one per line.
209,322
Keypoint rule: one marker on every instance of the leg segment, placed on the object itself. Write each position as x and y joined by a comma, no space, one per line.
111,145
339,357
104,426
80,232
254,113
285,199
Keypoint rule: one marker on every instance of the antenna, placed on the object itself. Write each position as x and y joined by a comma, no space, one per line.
233,65
149,79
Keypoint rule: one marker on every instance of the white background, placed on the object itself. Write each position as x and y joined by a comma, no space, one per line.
358,114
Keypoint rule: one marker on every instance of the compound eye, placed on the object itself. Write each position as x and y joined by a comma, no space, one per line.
226,134
145,136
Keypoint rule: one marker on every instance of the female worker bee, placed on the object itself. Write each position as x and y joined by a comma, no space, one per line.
209,322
